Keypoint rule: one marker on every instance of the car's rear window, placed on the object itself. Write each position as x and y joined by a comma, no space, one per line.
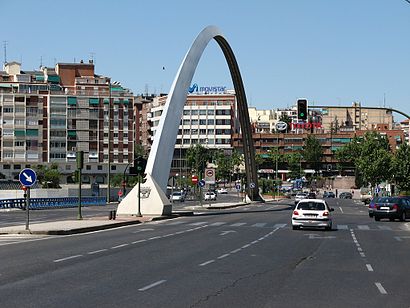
311,206
388,200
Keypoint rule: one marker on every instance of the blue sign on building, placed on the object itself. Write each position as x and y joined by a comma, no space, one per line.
27,177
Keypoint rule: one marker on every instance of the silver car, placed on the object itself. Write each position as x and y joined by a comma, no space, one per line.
299,197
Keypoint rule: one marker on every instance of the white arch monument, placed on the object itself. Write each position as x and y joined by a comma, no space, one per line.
154,201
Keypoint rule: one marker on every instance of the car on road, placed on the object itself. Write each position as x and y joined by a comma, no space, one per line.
312,213
300,196
392,208
372,204
210,196
222,191
346,195
177,196
311,195
328,194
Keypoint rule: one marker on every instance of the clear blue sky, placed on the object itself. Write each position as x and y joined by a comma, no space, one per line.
332,52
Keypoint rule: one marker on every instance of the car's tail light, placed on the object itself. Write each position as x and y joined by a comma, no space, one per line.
295,213
325,213
395,207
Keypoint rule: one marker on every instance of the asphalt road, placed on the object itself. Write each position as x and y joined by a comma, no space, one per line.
241,257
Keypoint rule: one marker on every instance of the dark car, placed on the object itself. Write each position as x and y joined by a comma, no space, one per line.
345,195
311,195
328,194
392,208
372,204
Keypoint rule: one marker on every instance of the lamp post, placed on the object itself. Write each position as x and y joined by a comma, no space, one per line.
109,142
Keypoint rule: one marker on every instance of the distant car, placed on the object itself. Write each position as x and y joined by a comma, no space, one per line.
299,197
222,191
392,208
177,196
372,204
311,195
329,194
210,196
312,213
345,195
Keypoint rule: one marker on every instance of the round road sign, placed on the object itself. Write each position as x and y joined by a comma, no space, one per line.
27,177
201,183
252,185
194,179
210,173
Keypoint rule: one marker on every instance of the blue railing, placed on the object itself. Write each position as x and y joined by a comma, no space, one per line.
51,203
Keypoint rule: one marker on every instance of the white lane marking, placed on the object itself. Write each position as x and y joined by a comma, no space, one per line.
152,285
236,250
226,232
363,227
198,223
362,255
386,228
342,227
216,224
154,238
259,225
207,262
119,246
142,230
223,256
359,249
67,258
139,241
369,267
238,224
341,210
279,225
245,246
380,287
96,251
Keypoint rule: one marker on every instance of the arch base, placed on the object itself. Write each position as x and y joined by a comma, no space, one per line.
153,200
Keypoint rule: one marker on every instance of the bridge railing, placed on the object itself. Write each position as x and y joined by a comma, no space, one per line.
51,203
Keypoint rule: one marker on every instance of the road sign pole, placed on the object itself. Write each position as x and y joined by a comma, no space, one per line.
79,217
27,195
139,196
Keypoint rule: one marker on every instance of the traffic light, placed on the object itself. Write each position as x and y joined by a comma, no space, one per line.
302,109
140,164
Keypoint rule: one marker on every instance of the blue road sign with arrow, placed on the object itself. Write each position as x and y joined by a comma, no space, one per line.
27,177
201,183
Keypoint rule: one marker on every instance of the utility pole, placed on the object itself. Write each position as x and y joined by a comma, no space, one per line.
109,143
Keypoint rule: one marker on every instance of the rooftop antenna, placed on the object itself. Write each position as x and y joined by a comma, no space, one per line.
41,61
384,100
5,51
92,56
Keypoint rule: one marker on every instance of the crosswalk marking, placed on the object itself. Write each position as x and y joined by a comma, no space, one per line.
363,227
198,223
342,227
260,224
385,228
216,224
238,224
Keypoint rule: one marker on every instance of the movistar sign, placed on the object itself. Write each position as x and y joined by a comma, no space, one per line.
208,89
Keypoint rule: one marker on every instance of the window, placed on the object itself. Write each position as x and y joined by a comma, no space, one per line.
16,167
88,167
6,167
99,167
113,168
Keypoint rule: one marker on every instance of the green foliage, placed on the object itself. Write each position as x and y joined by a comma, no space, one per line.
312,152
48,177
294,161
197,157
401,167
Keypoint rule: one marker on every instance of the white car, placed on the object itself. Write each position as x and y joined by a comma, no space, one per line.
222,191
312,213
177,196
210,196
300,196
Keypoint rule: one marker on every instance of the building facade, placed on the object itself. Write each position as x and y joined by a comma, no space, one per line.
50,114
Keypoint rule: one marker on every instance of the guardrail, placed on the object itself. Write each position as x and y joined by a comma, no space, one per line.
51,203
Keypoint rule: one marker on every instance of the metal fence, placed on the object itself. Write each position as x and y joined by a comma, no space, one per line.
51,203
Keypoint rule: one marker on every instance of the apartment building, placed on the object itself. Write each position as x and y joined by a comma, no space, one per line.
50,114
207,119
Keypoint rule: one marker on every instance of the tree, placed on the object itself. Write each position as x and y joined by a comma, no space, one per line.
312,152
48,177
224,164
285,118
401,167
197,157
294,160
276,157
